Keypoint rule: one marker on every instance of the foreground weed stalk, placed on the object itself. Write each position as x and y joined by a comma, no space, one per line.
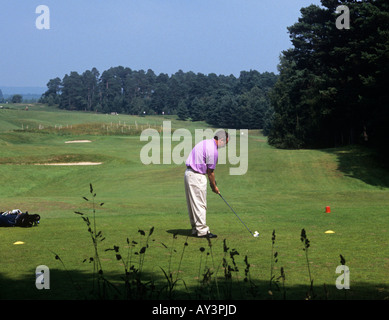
171,284
282,276
343,263
142,251
213,264
305,241
272,261
202,249
100,284
247,278
228,269
135,288
182,256
169,274
205,283
76,287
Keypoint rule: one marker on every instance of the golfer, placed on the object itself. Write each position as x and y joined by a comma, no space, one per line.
201,162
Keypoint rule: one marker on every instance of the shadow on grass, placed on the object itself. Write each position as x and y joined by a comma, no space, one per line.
70,285
361,163
81,284
181,232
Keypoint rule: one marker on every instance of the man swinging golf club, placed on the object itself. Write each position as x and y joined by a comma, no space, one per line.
201,162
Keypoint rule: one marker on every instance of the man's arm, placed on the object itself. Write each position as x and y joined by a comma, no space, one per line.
212,181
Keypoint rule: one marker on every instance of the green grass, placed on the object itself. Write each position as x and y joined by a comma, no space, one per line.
283,190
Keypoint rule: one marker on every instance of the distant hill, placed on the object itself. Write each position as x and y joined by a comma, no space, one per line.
22,90
28,93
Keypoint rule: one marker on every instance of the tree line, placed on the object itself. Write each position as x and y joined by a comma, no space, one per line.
224,101
331,89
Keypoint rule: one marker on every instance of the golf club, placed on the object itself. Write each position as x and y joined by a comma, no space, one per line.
255,234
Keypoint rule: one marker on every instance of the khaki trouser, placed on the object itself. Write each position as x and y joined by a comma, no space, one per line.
196,200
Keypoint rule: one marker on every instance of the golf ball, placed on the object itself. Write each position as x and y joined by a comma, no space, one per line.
256,234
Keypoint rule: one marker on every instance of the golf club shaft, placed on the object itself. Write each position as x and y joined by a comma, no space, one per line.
235,214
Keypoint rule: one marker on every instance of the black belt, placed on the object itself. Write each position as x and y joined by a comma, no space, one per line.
190,168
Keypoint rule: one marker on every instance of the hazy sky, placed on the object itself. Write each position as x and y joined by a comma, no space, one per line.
207,36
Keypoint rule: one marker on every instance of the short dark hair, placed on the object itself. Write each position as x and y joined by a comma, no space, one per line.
221,134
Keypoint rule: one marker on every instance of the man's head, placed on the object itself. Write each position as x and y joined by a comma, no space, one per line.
221,137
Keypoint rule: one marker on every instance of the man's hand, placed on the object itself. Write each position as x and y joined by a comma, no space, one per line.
215,189
212,181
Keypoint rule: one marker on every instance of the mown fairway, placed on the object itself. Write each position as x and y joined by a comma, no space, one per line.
283,190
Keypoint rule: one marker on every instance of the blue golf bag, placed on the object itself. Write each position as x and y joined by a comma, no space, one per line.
16,218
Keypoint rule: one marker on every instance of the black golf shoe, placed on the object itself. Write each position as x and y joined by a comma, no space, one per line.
208,235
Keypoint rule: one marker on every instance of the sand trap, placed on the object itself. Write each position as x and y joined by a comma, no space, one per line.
70,164
78,141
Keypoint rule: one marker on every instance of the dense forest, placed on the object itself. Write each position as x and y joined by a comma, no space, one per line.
224,101
330,90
